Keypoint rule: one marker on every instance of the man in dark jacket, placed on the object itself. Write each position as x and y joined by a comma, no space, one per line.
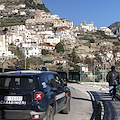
113,80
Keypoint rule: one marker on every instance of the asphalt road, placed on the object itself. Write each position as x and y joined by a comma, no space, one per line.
80,107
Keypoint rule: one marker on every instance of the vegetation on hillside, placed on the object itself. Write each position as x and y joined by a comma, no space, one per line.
45,52
32,5
31,62
16,18
59,47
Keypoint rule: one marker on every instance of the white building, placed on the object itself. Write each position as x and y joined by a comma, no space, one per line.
21,28
46,47
87,27
67,23
52,40
2,7
15,11
84,67
63,33
55,17
46,33
31,50
107,31
59,60
21,6
16,39
22,13
4,53
3,46
117,56
32,38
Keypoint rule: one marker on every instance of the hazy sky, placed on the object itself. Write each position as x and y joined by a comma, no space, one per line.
101,12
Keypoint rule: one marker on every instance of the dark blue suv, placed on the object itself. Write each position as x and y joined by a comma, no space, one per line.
32,95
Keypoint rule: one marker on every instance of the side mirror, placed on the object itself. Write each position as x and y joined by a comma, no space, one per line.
65,83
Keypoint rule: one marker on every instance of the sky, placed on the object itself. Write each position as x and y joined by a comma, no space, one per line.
102,13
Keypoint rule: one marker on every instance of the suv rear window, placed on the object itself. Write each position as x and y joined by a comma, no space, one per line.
19,82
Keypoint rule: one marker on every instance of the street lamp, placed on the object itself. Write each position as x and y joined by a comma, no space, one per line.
25,57
66,48
80,64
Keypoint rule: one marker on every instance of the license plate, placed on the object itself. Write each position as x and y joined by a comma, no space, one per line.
13,98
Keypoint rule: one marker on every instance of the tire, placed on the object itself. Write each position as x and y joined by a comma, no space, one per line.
66,110
49,114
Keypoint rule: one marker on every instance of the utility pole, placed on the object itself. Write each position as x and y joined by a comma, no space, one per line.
105,73
25,58
65,41
25,62
80,72
94,70
3,62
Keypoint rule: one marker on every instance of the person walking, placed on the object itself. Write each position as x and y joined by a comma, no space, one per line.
113,80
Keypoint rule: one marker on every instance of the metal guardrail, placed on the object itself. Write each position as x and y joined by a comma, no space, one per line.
84,76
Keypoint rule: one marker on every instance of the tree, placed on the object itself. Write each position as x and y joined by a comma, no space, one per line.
59,47
74,58
45,52
76,68
18,53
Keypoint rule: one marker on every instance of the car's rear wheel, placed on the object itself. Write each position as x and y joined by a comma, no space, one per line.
66,110
49,114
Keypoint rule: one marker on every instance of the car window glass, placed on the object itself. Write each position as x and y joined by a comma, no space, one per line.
19,82
30,80
45,79
6,82
2,82
58,80
51,80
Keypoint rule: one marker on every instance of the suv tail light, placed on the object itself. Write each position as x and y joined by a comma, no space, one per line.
39,95
36,116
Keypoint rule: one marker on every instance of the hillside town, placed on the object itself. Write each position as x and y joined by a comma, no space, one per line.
52,69
45,30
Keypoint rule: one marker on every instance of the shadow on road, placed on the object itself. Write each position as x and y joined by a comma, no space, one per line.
96,108
81,99
96,115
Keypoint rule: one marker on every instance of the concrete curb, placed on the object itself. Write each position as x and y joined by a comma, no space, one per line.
99,104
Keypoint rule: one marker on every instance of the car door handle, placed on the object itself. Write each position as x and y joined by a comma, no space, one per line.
54,89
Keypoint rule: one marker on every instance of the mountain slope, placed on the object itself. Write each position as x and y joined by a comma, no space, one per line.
9,15
115,28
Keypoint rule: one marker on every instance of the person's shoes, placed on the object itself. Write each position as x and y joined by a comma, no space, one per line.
113,99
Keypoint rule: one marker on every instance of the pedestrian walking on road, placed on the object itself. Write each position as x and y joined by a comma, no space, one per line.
113,80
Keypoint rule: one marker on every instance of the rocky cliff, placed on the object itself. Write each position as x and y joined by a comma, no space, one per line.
11,18
115,28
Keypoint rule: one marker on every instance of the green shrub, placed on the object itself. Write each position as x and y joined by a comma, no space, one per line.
118,88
